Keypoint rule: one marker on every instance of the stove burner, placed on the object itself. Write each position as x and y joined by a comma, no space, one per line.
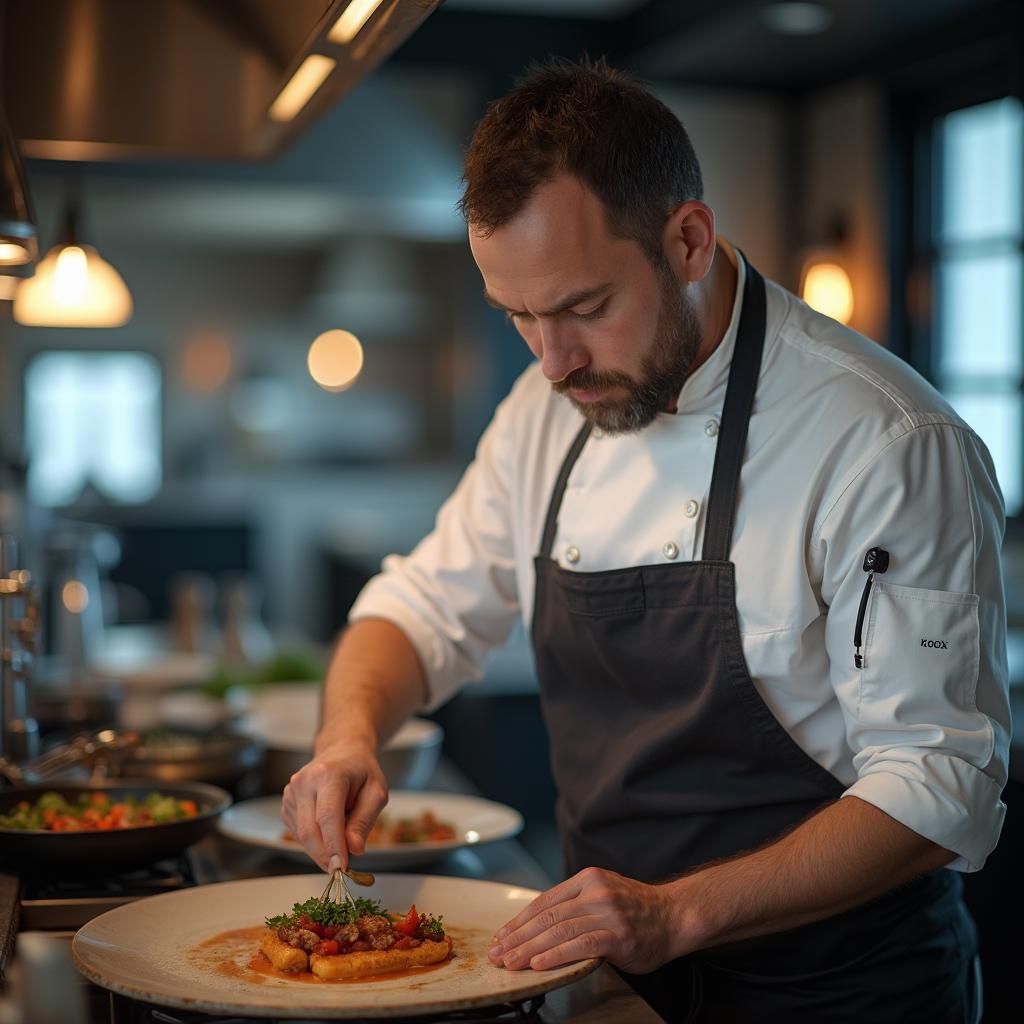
126,1011
52,904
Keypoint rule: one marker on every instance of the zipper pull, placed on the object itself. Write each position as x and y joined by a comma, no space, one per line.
876,560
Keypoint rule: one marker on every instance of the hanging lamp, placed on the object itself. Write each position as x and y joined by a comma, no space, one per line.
19,247
73,286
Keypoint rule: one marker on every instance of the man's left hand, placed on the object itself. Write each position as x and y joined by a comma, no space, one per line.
635,926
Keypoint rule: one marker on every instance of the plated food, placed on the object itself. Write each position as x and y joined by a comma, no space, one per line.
96,811
352,939
193,950
413,831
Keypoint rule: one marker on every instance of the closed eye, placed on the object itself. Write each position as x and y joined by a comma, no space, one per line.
595,314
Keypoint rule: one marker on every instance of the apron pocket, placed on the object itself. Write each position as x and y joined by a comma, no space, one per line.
917,640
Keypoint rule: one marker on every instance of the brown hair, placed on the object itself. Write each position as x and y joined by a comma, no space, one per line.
591,121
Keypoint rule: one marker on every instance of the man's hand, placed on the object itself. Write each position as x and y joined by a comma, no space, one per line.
595,913
330,805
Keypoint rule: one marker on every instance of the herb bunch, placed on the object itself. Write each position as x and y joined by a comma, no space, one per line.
328,913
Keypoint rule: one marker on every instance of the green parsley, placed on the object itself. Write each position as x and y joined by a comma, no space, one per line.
328,913
432,927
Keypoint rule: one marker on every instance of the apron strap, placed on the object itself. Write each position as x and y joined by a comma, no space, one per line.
739,403
551,522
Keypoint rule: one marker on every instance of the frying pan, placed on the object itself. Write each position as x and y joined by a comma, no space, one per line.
76,854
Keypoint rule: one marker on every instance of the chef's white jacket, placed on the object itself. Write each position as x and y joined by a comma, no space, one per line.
848,449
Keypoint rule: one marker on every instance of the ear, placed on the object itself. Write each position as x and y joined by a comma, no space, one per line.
689,240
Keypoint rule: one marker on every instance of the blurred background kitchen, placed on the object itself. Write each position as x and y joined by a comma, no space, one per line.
209,440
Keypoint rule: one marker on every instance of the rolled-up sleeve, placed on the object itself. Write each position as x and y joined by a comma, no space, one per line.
927,713
455,595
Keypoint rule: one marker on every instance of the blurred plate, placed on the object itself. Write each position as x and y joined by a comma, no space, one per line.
258,822
146,950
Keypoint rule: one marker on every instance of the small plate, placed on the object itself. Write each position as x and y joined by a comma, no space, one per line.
147,950
258,822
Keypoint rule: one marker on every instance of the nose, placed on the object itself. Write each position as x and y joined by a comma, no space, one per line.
558,355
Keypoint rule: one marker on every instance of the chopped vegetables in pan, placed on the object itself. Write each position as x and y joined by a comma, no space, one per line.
96,812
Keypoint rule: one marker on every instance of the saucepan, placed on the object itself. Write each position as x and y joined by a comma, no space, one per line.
76,854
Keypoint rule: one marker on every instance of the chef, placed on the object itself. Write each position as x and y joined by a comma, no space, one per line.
759,560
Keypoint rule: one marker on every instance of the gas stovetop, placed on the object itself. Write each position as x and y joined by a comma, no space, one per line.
49,904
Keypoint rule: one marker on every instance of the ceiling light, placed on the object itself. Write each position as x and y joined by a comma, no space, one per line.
827,289
797,19
353,18
18,245
335,359
303,84
73,287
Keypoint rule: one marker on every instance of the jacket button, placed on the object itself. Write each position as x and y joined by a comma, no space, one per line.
711,428
572,554
670,550
692,508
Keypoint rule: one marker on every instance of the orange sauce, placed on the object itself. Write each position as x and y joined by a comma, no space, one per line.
235,954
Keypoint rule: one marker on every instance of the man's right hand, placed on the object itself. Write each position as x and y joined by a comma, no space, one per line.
331,803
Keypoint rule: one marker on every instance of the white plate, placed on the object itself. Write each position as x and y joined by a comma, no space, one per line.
147,950
476,821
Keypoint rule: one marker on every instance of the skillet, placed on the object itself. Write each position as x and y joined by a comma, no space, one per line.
86,854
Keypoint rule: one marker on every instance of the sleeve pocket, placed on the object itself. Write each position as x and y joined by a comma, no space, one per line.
918,644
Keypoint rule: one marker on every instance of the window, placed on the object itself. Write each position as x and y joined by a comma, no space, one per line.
977,273
92,418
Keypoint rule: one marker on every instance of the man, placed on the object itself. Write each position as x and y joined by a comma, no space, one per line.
759,557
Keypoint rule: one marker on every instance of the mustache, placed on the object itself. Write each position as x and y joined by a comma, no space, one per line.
585,379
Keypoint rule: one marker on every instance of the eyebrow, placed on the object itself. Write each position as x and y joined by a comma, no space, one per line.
561,307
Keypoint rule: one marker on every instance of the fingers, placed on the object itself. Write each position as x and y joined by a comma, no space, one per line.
561,893
369,802
578,938
330,820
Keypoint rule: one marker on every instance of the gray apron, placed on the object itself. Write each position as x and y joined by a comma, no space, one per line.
666,757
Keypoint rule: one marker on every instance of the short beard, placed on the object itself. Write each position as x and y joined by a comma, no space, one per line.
664,369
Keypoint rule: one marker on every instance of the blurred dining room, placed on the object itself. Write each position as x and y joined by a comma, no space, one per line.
245,356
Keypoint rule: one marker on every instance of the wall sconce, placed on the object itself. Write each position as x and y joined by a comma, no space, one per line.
73,286
824,282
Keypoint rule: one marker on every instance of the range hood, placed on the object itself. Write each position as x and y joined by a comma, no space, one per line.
180,79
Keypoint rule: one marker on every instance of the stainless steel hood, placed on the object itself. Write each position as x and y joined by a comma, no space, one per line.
116,79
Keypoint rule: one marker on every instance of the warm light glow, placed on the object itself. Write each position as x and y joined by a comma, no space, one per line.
206,362
472,836
354,17
296,94
73,287
827,289
335,360
12,254
8,286
75,597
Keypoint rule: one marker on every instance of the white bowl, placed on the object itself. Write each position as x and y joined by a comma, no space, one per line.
287,718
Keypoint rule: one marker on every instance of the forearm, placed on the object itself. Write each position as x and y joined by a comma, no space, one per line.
847,854
374,683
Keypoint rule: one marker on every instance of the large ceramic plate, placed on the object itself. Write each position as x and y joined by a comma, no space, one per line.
476,821
148,950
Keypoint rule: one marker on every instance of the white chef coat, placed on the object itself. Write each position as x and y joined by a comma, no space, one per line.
848,449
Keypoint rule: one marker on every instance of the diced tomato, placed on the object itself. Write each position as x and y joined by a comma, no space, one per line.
99,799
317,929
49,816
359,946
409,924
404,943
326,948
189,807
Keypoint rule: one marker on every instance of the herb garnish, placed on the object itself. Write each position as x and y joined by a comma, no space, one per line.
432,926
327,912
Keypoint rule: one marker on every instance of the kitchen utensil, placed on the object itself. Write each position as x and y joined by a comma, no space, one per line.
143,951
105,853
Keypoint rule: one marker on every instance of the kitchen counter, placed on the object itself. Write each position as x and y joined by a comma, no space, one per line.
603,997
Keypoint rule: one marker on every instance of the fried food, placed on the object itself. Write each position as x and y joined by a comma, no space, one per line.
362,965
354,939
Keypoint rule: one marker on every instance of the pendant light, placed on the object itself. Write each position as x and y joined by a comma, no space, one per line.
18,245
73,286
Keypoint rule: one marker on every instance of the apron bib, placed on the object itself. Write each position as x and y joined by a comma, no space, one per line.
666,757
